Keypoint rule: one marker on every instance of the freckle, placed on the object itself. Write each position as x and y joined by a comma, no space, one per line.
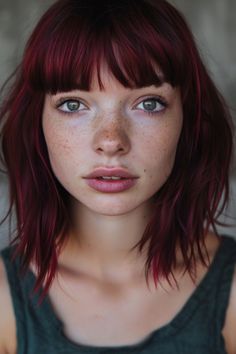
144,170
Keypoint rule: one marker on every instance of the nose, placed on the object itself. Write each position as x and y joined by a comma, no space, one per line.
111,139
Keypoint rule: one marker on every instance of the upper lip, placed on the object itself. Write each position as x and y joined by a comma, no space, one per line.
109,172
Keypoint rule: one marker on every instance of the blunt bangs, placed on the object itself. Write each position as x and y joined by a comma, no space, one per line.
138,47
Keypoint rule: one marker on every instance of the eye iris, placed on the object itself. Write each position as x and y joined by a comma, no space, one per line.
73,106
149,104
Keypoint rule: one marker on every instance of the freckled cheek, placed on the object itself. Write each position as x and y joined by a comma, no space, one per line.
161,152
61,147
57,144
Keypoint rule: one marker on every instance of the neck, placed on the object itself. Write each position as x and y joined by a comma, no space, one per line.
101,244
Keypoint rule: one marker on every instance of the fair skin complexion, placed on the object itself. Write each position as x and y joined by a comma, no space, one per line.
100,292
111,128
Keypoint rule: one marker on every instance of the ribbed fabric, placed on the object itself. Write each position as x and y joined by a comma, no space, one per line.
196,329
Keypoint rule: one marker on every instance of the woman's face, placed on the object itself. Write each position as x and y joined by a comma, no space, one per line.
113,128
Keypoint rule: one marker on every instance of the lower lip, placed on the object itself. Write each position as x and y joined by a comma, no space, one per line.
111,186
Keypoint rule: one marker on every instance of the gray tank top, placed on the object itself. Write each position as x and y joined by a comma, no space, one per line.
196,329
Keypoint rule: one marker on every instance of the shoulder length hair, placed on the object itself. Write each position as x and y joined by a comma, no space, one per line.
67,46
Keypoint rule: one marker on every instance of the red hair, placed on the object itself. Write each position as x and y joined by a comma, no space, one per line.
66,48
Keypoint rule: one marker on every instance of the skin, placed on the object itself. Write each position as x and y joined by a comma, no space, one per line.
100,293
112,128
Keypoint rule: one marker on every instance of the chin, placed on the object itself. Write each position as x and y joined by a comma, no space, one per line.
109,207
112,210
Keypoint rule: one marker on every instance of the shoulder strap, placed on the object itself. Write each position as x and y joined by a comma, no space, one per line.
17,295
224,283
34,321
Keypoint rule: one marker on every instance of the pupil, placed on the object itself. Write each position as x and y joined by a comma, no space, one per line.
149,105
73,106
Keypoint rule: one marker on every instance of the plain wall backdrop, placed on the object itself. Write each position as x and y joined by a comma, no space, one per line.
213,23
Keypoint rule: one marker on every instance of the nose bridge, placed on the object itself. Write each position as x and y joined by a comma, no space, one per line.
112,133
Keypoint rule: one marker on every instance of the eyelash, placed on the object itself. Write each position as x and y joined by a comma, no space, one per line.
159,100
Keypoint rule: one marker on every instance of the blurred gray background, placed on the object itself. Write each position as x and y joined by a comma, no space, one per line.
213,23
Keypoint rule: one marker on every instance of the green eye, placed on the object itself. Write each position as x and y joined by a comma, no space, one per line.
71,106
152,105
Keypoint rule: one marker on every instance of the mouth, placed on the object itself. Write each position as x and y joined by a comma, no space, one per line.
112,179
112,174
111,184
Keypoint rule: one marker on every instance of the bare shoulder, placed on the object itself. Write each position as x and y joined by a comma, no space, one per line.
7,319
230,321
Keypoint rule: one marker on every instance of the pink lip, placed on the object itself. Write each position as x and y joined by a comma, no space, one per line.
111,186
109,172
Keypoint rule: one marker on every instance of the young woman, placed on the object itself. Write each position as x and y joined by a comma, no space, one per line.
118,149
